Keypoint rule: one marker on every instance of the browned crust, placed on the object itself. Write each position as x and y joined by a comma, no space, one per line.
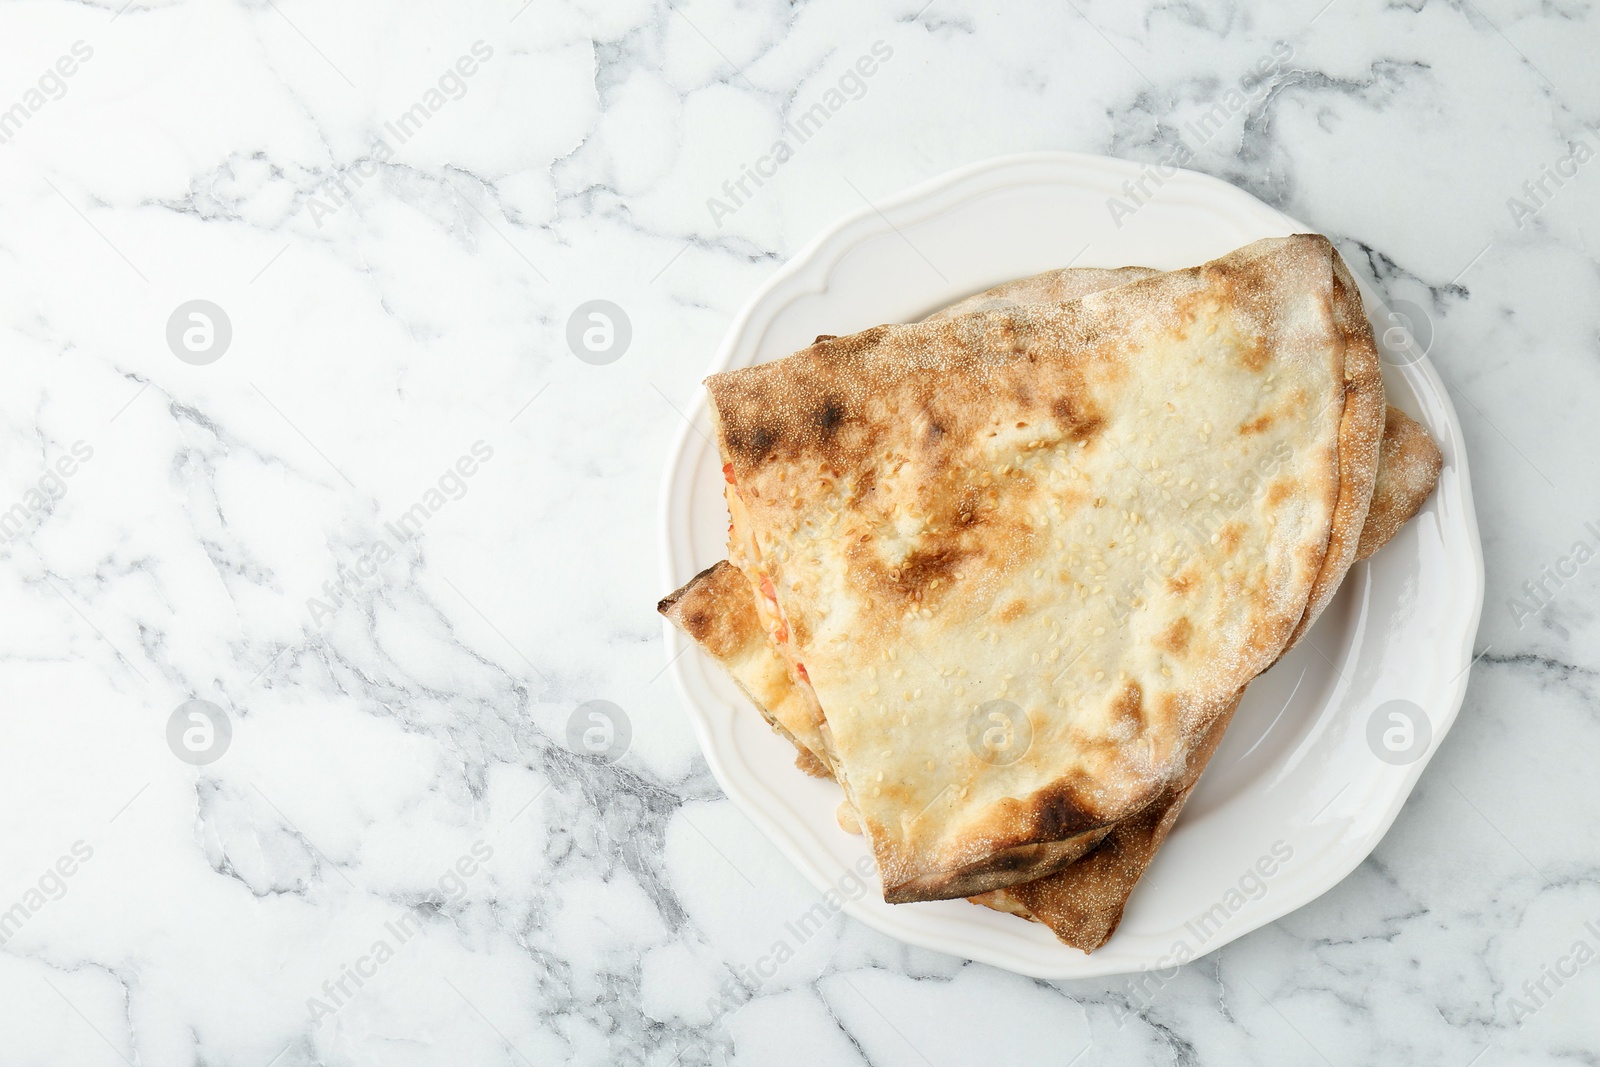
1083,903
1408,468
1360,433
716,609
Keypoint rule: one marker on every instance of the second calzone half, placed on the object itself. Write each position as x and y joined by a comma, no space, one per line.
1085,525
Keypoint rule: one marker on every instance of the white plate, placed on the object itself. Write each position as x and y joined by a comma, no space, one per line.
1295,771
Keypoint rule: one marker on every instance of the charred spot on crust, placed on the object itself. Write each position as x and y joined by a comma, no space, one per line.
1058,814
698,622
924,565
751,446
1077,417
829,417
715,608
1256,425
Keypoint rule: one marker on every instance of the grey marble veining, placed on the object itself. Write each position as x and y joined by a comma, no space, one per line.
397,207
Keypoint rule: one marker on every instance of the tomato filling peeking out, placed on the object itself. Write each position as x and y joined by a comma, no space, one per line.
780,629
744,553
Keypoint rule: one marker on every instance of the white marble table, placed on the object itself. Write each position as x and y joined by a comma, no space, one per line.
399,532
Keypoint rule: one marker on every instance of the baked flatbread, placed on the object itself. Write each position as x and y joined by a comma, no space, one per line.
903,490
1408,468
